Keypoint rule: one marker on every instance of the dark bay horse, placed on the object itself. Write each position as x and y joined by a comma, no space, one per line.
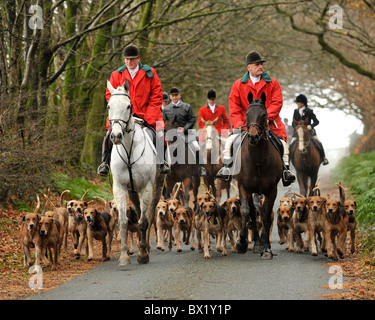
304,156
260,172
211,146
184,168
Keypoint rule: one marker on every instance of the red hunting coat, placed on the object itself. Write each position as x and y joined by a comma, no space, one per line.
238,102
145,92
207,115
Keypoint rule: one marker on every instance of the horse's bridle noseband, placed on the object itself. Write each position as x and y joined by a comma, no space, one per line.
119,121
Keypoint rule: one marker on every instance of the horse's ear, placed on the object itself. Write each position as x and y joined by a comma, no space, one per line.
109,87
203,121
174,119
306,121
214,121
263,98
126,85
250,97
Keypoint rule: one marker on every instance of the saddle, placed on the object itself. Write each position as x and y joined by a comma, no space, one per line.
273,138
276,142
149,129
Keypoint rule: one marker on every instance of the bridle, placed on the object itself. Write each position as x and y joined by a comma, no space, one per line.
263,128
124,129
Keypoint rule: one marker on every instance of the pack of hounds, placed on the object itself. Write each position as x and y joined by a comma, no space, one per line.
321,219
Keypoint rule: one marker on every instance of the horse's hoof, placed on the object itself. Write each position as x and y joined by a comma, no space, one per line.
143,259
257,248
266,255
241,247
123,263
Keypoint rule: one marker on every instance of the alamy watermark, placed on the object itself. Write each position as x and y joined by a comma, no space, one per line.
36,20
335,281
336,20
36,280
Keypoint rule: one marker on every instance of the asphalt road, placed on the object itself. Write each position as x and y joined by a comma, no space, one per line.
188,276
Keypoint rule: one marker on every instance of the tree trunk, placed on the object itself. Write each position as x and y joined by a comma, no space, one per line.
96,92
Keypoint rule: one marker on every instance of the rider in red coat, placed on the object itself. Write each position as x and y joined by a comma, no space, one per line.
146,96
212,111
257,82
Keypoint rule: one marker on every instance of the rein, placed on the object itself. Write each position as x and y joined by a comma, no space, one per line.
129,154
119,121
125,129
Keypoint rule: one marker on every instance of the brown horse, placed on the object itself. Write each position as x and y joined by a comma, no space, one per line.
305,156
211,146
260,172
184,168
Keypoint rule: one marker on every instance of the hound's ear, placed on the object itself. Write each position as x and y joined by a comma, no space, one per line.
250,97
224,204
355,204
126,85
110,88
263,98
23,218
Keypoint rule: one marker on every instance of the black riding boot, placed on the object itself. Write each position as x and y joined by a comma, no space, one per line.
163,165
103,169
322,153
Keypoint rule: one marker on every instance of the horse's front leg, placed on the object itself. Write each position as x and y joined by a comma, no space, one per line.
120,198
144,224
267,222
245,211
302,182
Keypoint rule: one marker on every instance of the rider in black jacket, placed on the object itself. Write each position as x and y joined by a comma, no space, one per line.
302,113
185,120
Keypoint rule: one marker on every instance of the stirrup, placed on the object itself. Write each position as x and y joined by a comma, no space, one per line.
224,173
103,170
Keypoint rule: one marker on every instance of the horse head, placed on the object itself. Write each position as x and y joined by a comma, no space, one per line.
209,130
120,112
303,135
168,125
256,119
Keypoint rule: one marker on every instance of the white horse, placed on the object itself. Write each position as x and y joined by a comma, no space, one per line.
134,168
